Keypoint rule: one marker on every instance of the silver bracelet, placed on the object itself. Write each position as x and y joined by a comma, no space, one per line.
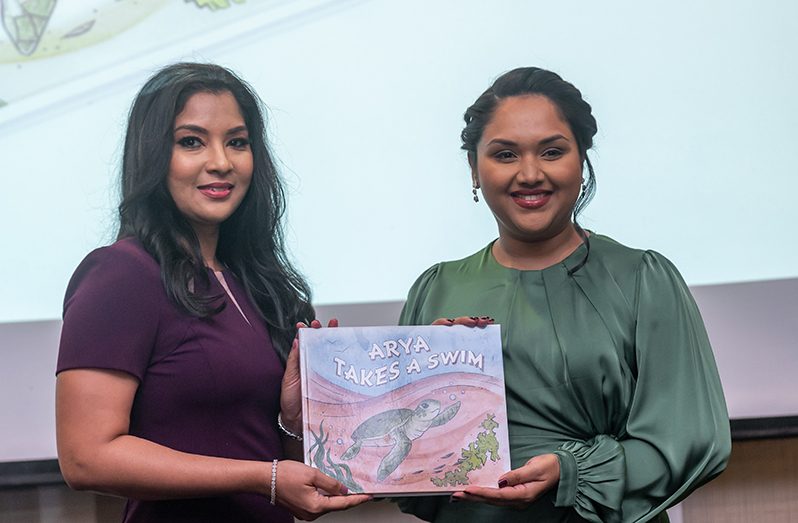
274,483
285,430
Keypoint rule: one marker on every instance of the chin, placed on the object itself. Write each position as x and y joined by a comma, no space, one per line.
541,232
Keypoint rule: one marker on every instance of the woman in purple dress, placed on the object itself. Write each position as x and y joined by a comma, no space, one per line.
170,387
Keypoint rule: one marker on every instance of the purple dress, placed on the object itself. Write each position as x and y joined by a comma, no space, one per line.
207,386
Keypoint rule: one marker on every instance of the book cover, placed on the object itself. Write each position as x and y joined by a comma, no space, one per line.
405,410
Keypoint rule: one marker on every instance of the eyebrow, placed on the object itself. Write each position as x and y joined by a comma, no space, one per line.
202,130
545,141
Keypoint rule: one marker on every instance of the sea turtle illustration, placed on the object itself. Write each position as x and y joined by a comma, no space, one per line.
398,428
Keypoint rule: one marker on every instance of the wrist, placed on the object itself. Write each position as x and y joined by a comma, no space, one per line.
291,429
566,482
273,484
257,479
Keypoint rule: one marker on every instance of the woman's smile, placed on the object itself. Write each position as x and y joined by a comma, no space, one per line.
217,190
531,199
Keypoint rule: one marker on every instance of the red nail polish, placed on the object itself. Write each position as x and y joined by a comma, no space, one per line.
502,483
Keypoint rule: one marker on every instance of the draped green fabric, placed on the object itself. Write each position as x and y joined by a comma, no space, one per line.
609,368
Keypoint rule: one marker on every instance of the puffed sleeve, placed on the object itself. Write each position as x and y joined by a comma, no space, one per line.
677,432
423,507
111,312
417,297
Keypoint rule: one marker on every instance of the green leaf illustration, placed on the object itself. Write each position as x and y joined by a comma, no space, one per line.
474,456
215,4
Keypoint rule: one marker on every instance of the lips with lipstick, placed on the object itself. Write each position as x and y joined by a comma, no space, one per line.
531,198
216,190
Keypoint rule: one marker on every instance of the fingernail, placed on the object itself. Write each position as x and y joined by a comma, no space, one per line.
502,483
450,320
344,490
491,320
474,318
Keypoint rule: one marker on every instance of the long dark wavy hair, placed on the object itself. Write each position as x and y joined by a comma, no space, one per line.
525,81
251,243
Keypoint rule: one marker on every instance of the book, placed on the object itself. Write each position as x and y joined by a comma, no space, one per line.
405,410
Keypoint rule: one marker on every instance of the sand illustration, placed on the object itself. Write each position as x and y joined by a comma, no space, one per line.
436,448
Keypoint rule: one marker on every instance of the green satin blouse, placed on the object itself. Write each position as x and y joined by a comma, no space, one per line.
609,368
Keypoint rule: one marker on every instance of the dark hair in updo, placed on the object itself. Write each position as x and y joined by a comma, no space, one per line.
526,81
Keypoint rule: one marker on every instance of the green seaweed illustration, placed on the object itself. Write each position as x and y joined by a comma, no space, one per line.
474,456
320,456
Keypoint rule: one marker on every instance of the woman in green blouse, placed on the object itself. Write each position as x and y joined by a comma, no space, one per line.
614,403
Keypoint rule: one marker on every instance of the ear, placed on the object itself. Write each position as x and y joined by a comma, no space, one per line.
472,162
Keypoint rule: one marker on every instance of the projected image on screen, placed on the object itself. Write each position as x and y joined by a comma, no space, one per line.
693,157
47,43
365,122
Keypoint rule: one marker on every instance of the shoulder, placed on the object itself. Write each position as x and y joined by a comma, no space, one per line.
462,267
439,280
642,274
125,254
119,267
471,263
614,252
621,258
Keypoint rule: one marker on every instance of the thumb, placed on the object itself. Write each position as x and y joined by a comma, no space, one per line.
328,484
343,502
514,477
544,467
291,375
292,361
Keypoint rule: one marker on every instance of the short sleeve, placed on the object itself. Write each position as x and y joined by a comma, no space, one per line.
111,311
